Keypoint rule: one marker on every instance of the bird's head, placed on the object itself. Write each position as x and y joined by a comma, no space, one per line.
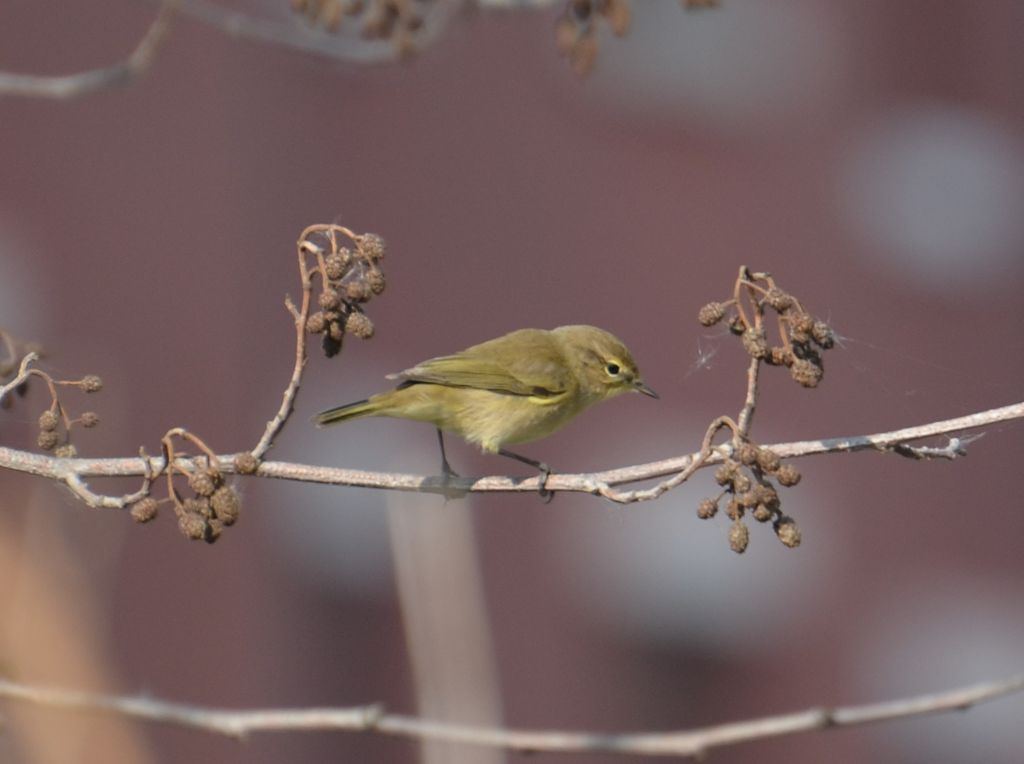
603,366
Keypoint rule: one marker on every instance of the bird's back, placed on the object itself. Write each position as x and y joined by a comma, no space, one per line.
524,362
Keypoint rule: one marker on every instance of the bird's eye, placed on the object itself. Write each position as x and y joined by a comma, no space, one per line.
612,369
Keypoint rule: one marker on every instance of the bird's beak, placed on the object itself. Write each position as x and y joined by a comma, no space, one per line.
642,388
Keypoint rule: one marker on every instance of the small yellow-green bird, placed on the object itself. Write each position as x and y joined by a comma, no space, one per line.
516,388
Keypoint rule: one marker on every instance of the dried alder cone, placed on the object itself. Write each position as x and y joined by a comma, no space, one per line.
349,278
747,490
55,424
401,22
801,337
581,21
212,506
749,473
395,21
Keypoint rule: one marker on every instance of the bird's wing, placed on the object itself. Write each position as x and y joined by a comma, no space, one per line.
526,362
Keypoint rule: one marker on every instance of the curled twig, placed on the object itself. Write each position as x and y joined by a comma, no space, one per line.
24,372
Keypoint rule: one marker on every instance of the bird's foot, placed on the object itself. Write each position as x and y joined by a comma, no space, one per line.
545,473
448,490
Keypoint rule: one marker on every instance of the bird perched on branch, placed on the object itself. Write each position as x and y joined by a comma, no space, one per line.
513,389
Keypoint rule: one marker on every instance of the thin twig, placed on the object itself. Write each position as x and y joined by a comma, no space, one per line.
24,372
83,83
698,460
600,483
81,490
746,416
299,316
371,718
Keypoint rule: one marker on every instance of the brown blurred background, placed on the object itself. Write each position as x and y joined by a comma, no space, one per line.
870,155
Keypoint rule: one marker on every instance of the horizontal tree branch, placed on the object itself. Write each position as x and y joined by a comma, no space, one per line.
73,471
373,719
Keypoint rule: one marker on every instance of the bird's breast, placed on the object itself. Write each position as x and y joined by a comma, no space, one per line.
493,420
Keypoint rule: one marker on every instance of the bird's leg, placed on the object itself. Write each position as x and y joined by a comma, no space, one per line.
446,471
446,468
545,472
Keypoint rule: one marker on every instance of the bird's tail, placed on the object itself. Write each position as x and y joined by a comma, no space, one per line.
348,411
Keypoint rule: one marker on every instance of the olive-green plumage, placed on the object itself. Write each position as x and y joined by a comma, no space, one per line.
513,389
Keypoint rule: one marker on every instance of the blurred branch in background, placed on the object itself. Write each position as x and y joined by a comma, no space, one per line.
89,81
357,31
690,743
382,31
446,621
372,33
